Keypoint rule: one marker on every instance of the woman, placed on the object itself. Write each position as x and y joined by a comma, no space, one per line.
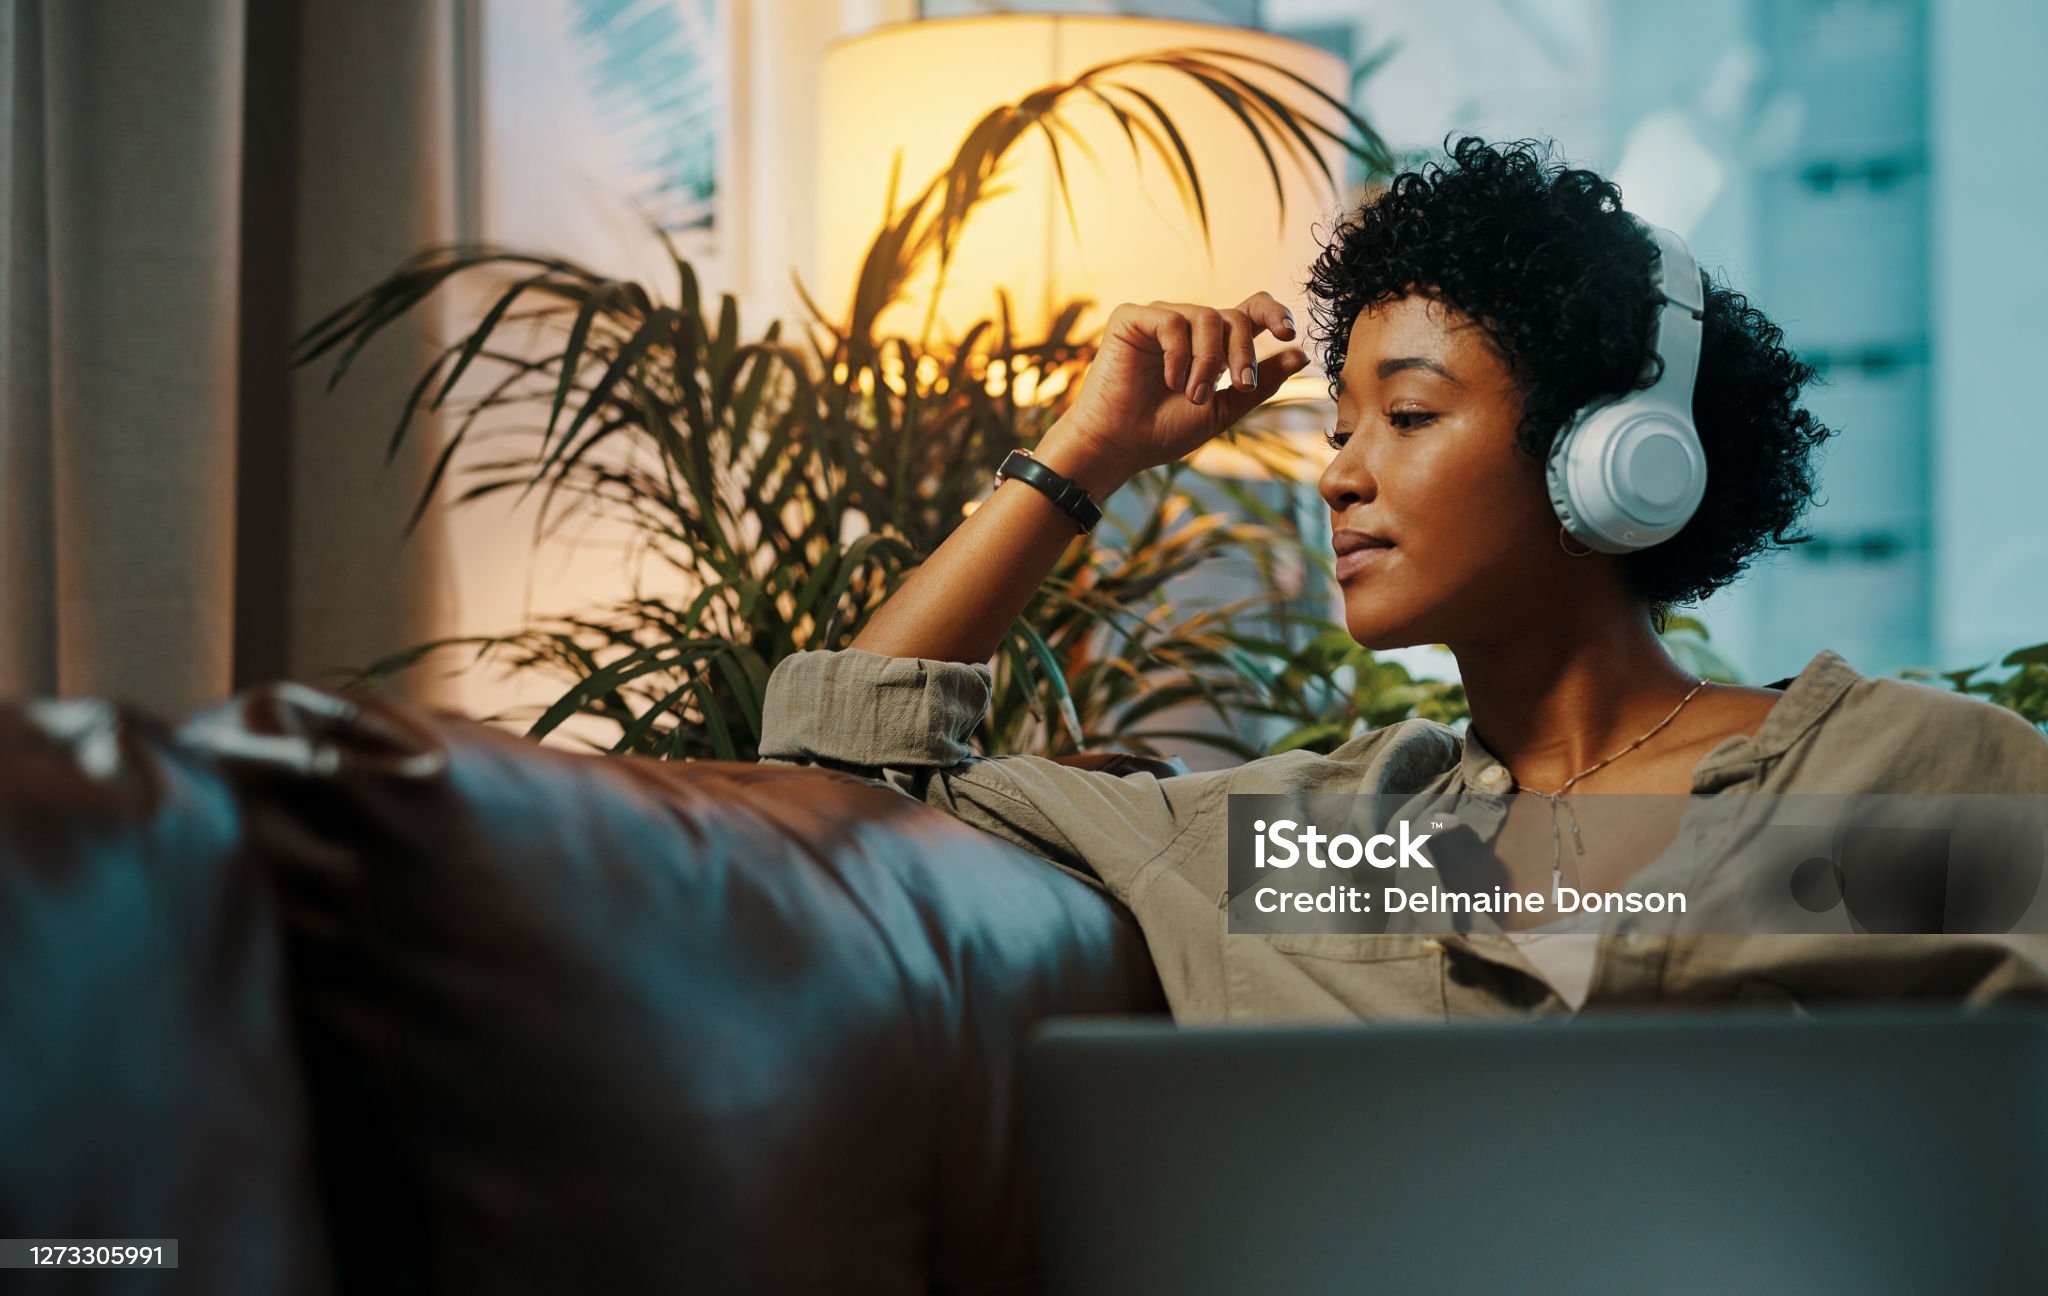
1466,315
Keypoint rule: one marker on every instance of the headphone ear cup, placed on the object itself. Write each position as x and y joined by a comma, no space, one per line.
1626,477
1555,473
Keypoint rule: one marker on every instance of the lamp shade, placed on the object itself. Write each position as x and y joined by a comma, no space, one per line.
919,87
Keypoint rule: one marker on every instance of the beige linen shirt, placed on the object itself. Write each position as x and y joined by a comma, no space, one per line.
1158,844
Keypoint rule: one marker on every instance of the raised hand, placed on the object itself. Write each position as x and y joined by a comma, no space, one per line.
1149,396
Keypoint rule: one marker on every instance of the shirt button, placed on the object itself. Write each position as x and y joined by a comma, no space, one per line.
1493,775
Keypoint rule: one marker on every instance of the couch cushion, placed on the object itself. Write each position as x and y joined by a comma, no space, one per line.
605,1023
149,1087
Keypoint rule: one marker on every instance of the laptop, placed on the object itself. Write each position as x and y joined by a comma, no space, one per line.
1873,1151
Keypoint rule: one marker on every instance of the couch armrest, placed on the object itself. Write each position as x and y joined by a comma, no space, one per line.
150,1082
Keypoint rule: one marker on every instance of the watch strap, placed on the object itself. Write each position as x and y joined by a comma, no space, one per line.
1062,491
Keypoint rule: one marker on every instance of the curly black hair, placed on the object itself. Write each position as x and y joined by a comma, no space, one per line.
1557,276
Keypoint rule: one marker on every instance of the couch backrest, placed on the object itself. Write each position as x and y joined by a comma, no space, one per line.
599,1023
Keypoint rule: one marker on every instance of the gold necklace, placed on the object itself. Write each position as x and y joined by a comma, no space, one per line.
1579,846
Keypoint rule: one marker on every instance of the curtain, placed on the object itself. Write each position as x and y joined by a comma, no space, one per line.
188,184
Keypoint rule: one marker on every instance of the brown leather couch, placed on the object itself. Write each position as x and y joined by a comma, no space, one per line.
358,996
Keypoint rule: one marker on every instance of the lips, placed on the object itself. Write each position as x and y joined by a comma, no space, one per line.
1359,551
1362,559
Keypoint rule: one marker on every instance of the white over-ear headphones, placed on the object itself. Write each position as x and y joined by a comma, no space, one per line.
1626,474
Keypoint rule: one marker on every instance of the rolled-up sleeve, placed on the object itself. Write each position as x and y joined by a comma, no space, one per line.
866,709
907,720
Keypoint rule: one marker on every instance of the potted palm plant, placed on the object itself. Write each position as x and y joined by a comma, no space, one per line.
789,490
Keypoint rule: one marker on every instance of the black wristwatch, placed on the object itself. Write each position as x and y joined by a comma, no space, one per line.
1063,491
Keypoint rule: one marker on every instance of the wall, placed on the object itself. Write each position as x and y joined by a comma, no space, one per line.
1990,312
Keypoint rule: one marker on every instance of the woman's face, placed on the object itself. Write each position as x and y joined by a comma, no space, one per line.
1426,419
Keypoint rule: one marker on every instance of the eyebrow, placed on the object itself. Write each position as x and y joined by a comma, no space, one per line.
1388,368
1391,367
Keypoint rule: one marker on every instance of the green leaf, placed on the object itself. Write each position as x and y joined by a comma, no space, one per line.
572,354
482,333
633,734
621,364
2037,655
1187,159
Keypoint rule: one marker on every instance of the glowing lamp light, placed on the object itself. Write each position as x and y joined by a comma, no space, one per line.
918,87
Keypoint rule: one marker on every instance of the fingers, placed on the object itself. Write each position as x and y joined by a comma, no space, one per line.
1173,333
1270,313
1243,359
1212,348
1275,370
1197,343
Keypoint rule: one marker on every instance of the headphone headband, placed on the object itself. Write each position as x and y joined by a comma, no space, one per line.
1676,334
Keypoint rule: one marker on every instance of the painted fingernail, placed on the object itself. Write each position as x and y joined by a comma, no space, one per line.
1198,392
1251,377
1290,318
